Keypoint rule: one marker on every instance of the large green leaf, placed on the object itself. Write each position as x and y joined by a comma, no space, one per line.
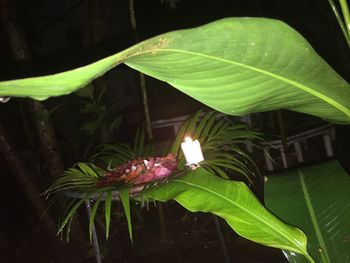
234,65
317,200
241,65
233,201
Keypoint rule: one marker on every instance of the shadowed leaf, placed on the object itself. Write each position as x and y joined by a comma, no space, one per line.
317,200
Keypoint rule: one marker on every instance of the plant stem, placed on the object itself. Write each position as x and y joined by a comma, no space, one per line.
283,134
340,21
346,15
323,257
146,107
311,260
142,76
343,49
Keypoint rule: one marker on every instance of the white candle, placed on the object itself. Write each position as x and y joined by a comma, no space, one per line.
192,151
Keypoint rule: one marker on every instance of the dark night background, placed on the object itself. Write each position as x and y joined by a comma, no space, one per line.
61,35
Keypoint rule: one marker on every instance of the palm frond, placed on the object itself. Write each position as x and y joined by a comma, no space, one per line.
139,143
72,208
93,215
80,178
219,138
124,197
113,154
77,184
108,207
119,153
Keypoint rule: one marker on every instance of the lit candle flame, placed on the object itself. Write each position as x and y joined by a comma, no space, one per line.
188,139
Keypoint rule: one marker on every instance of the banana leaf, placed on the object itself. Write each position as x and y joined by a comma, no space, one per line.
200,190
234,65
316,199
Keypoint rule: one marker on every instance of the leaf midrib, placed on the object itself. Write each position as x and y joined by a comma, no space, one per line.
296,84
313,215
244,209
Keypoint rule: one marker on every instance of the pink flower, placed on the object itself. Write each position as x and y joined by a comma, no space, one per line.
157,169
140,171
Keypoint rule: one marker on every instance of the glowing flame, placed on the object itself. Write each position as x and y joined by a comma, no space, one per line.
188,139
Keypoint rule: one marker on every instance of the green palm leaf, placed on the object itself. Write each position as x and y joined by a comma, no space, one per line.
124,197
113,154
71,213
108,207
93,215
81,178
139,143
180,137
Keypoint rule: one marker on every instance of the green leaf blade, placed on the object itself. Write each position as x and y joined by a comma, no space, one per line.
108,207
236,72
234,202
234,65
93,215
316,199
41,88
70,214
124,197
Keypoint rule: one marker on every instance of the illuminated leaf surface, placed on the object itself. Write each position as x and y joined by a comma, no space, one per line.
234,65
234,202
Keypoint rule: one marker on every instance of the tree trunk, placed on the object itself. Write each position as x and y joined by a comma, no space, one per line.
20,171
47,138
7,148
21,54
